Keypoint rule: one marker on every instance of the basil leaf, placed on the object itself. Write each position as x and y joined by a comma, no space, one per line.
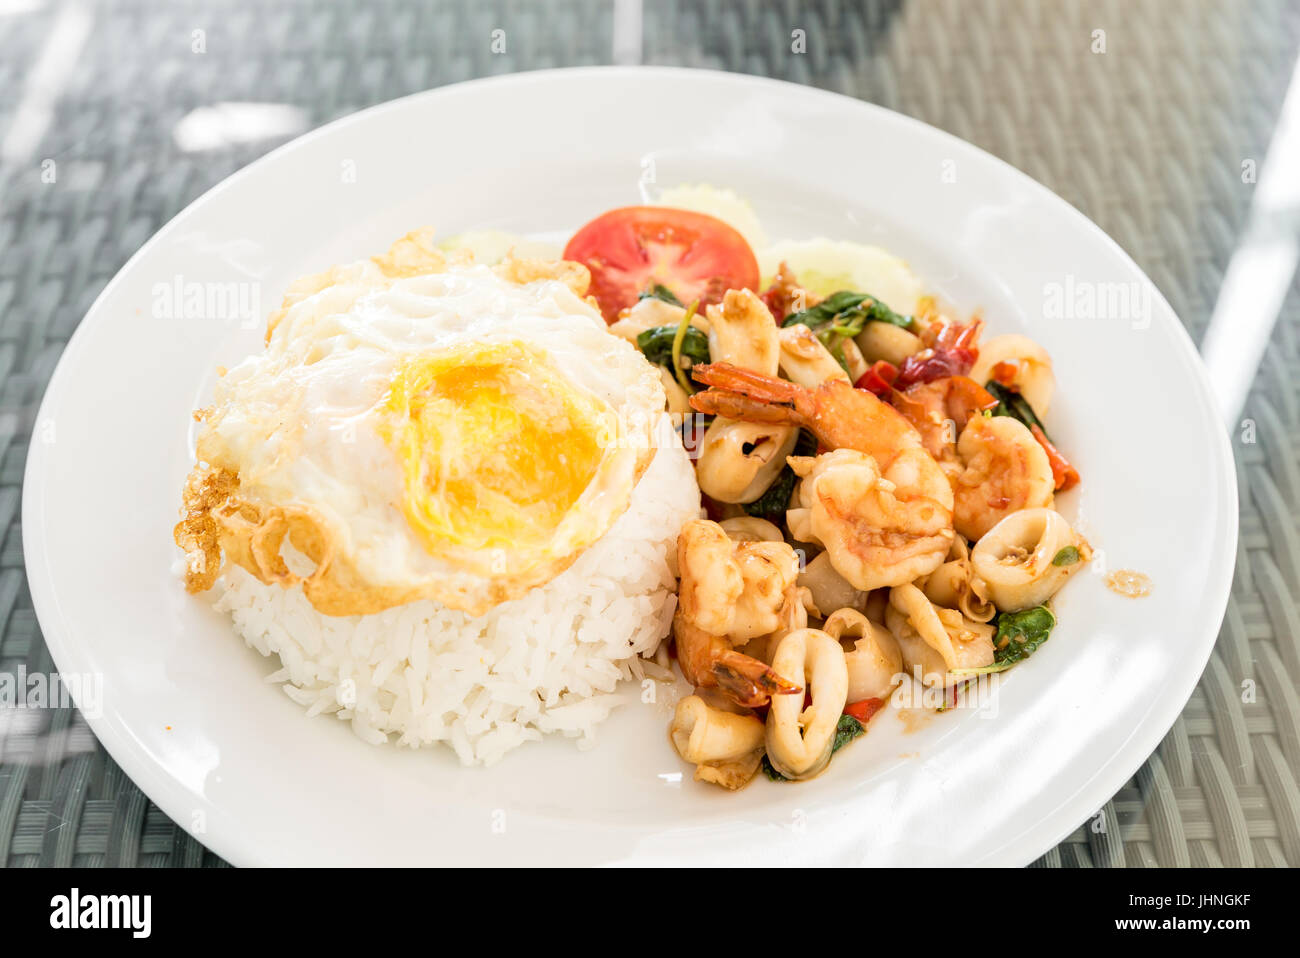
847,308
1023,632
1011,403
1067,556
656,344
842,316
660,291
846,731
772,504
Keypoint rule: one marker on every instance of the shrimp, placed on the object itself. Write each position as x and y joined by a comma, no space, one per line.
885,512
731,592
1004,469
880,528
940,410
840,416
793,615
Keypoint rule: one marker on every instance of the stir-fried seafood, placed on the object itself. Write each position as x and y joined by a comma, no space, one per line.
879,528
883,481
1004,470
840,416
731,592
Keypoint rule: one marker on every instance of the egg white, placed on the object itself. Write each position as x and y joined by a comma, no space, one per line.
301,423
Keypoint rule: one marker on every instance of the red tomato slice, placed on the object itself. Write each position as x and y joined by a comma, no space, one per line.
628,250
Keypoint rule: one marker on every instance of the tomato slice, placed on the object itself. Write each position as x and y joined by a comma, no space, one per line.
628,250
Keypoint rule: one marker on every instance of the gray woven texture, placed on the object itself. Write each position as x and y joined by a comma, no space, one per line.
1147,139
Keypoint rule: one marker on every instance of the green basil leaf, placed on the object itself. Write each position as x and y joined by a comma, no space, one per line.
848,309
1021,633
1011,403
660,291
1067,556
842,316
771,772
846,730
772,504
656,344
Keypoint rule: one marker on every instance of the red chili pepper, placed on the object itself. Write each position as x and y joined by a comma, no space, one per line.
950,696
931,364
864,710
951,350
1005,373
1065,475
777,302
879,378
950,335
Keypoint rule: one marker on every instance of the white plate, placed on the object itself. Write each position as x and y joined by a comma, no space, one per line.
185,711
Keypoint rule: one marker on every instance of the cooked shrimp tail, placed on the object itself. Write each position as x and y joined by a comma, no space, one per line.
732,405
837,414
709,661
749,682
767,389
731,593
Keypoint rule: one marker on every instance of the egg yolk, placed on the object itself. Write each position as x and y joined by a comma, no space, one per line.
495,444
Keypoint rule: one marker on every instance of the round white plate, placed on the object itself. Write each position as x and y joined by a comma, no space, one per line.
184,708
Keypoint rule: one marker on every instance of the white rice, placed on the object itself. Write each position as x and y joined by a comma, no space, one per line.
549,661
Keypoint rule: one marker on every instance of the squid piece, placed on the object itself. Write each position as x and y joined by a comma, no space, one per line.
649,313
1027,557
726,747
739,460
751,529
1018,361
829,589
886,341
804,360
940,642
871,654
955,585
743,333
800,740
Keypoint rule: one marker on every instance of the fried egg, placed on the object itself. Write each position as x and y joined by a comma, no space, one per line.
421,427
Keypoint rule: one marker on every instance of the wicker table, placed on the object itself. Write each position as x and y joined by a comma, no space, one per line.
1148,138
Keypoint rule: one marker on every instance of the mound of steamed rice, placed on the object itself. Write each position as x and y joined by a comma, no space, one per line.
550,661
